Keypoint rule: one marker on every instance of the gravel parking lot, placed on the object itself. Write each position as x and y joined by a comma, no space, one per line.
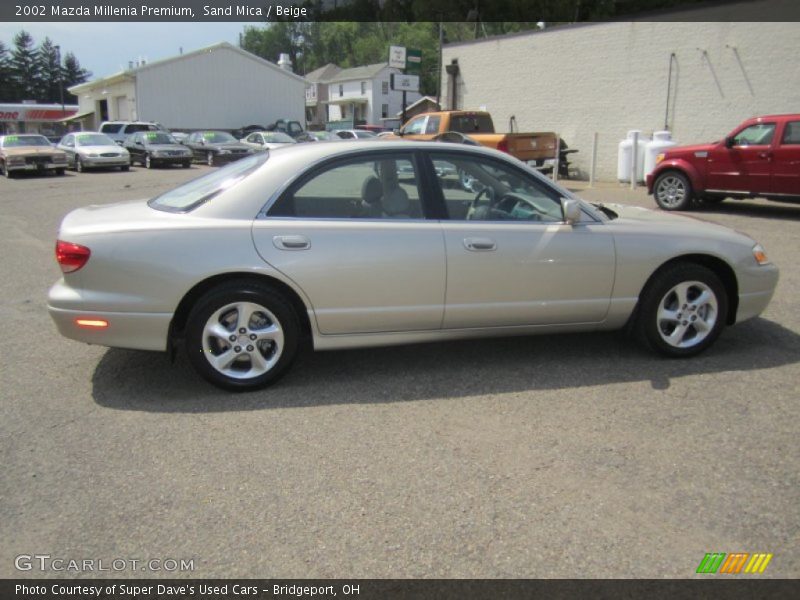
568,456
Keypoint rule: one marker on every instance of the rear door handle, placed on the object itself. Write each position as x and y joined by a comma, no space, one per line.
291,242
480,244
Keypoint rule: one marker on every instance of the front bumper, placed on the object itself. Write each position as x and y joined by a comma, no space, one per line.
756,288
42,166
105,161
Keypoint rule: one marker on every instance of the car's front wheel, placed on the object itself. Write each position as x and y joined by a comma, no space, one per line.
242,336
148,162
5,170
210,159
683,310
673,191
78,164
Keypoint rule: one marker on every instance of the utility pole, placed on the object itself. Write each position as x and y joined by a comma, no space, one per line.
60,79
439,70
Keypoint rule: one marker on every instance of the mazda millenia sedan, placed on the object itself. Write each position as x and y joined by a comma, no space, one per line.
355,244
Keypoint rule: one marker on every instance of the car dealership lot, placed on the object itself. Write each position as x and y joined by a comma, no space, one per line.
562,456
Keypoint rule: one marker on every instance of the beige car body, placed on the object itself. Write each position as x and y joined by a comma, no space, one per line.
57,158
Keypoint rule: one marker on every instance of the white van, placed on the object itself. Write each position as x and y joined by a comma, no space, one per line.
119,130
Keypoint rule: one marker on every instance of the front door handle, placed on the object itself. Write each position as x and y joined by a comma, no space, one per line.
480,244
291,242
767,155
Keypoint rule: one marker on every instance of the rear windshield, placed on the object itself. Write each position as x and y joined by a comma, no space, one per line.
194,193
134,127
111,128
472,124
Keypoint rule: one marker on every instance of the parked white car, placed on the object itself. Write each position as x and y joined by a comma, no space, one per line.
93,150
267,139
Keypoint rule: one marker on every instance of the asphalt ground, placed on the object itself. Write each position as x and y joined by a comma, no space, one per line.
555,456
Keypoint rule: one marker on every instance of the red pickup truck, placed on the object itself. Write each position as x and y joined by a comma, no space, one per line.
760,158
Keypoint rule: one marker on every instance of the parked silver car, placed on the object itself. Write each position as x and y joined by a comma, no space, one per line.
90,149
354,244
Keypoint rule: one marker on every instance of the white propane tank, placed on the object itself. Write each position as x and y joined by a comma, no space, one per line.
624,157
661,141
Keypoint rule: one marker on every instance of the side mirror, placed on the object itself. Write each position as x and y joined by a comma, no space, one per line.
729,142
572,210
398,132
119,143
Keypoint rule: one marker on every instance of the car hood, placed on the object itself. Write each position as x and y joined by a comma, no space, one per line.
100,149
684,150
30,151
636,216
229,146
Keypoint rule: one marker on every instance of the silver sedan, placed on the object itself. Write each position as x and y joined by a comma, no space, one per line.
353,245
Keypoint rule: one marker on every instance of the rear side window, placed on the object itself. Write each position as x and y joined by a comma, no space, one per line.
381,187
111,128
791,135
472,124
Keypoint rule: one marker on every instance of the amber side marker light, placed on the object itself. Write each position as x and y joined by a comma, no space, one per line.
92,323
760,255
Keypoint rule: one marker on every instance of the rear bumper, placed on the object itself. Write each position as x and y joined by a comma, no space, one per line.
138,331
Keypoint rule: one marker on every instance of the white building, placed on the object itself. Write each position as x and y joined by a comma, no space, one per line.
697,79
361,95
218,87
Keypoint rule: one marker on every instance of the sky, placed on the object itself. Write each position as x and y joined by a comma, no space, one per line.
106,48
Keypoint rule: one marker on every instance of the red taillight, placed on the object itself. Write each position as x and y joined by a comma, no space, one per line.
502,145
71,257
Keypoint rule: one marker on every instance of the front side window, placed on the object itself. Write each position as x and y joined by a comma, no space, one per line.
415,126
791,135
433,125
759,134
379,187
478,189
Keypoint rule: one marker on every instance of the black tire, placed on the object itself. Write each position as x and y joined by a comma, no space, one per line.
186,165
651,329
125,168
210,159
148,162
6,172
199,349
78,165
673,191
60,172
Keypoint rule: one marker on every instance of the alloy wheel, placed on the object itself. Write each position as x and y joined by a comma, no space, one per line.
687,314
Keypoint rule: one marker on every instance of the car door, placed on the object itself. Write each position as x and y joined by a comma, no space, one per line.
743,161
786,161
352,234
511,260
135,146
67,144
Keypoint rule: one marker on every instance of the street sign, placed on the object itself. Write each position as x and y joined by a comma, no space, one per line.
405,83
397,57
413,61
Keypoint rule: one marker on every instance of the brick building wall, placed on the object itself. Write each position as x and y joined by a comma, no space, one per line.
612,77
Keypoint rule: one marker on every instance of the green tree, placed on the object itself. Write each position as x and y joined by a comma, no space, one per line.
6,81
51,73
73,75
25,68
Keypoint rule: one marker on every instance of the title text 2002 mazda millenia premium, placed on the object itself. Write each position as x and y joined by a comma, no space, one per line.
378,243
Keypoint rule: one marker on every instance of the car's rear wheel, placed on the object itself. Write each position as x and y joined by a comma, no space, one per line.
186,165
683,310
210,159
242,336
673,191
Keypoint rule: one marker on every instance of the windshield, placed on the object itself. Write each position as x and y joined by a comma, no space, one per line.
276,137
191,195
218,137
12,141
159,138
93,139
